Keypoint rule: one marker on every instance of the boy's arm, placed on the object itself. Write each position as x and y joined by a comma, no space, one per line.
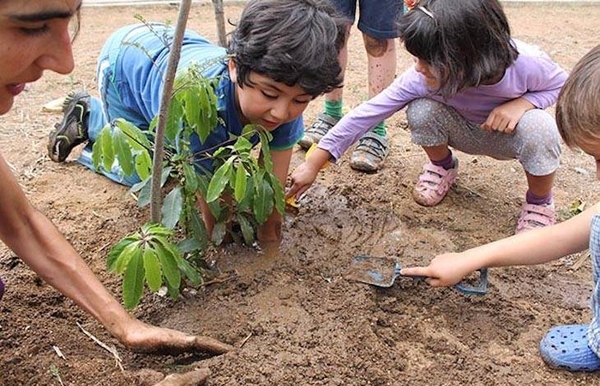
534,247
271,229
34,238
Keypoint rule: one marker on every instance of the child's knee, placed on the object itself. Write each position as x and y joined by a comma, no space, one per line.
537,129
421,113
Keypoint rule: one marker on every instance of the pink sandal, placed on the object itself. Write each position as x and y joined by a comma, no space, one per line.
535,216
434,183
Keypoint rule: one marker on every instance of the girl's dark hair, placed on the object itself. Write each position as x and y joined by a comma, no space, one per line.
467,42
295,42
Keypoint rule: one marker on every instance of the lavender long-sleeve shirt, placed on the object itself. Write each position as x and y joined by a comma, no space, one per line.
533,76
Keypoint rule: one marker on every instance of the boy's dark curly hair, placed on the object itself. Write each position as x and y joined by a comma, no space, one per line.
467,42
295,42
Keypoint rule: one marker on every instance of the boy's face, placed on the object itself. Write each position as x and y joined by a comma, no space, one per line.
264,102
592,147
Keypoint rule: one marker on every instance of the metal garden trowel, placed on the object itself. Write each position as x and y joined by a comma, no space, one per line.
383,271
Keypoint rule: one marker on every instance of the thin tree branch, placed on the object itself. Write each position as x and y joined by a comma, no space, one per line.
156,201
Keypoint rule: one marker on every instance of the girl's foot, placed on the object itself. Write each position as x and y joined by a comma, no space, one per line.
434,183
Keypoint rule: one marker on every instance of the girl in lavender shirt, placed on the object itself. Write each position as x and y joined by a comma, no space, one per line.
473,88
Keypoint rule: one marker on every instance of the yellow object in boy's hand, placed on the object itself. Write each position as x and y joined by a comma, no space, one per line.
309,152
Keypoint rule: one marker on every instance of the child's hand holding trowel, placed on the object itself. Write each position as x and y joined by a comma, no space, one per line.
445,270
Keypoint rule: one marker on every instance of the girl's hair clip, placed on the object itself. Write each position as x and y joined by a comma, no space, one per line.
425,11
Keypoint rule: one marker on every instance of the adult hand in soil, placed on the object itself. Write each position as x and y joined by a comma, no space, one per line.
142,337
444,270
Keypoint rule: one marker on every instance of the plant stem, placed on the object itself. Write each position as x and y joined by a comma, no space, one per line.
156,200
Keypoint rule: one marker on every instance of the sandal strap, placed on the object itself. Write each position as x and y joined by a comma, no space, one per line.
322,124
373,144
543,215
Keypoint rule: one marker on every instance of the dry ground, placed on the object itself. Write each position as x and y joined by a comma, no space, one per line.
300,321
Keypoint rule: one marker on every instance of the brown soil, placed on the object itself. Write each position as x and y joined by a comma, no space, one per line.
297,319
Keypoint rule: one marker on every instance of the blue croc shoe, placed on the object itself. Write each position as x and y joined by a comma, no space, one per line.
566,347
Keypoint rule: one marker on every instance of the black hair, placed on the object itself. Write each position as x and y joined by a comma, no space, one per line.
467,42
295,42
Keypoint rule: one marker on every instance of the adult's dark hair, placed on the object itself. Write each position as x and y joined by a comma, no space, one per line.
295,42
467,42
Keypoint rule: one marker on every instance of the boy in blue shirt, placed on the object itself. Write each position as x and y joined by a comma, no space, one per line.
282,55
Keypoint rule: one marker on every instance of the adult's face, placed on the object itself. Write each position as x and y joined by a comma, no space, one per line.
34,36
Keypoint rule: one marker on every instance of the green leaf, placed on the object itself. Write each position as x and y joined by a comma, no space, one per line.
263,200
116,251
218,233
190,272
143,165
244,204
152,268
172,207
123,152
173,126
191,180
266,150
145,194
278,193
168,263
240,183
126,255
96,154
108,154
189,245
157,230
203,183
219,181
242,145
191,107
247,229
198,229
135,136
133,283
249,130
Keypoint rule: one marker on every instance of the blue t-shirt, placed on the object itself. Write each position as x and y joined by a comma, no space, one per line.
140,65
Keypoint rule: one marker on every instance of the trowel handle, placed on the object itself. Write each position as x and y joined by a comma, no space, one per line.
480,289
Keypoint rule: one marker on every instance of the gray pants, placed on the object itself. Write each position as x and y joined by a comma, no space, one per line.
535,142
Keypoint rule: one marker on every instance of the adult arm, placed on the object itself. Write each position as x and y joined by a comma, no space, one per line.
34,238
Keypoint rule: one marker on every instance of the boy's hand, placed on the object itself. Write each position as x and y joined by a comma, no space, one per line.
444,270
505,117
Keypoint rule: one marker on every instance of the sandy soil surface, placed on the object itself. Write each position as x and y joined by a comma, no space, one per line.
294,316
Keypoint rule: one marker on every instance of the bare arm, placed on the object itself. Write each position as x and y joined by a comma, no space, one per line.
534,247
270,231
304,175
41,246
